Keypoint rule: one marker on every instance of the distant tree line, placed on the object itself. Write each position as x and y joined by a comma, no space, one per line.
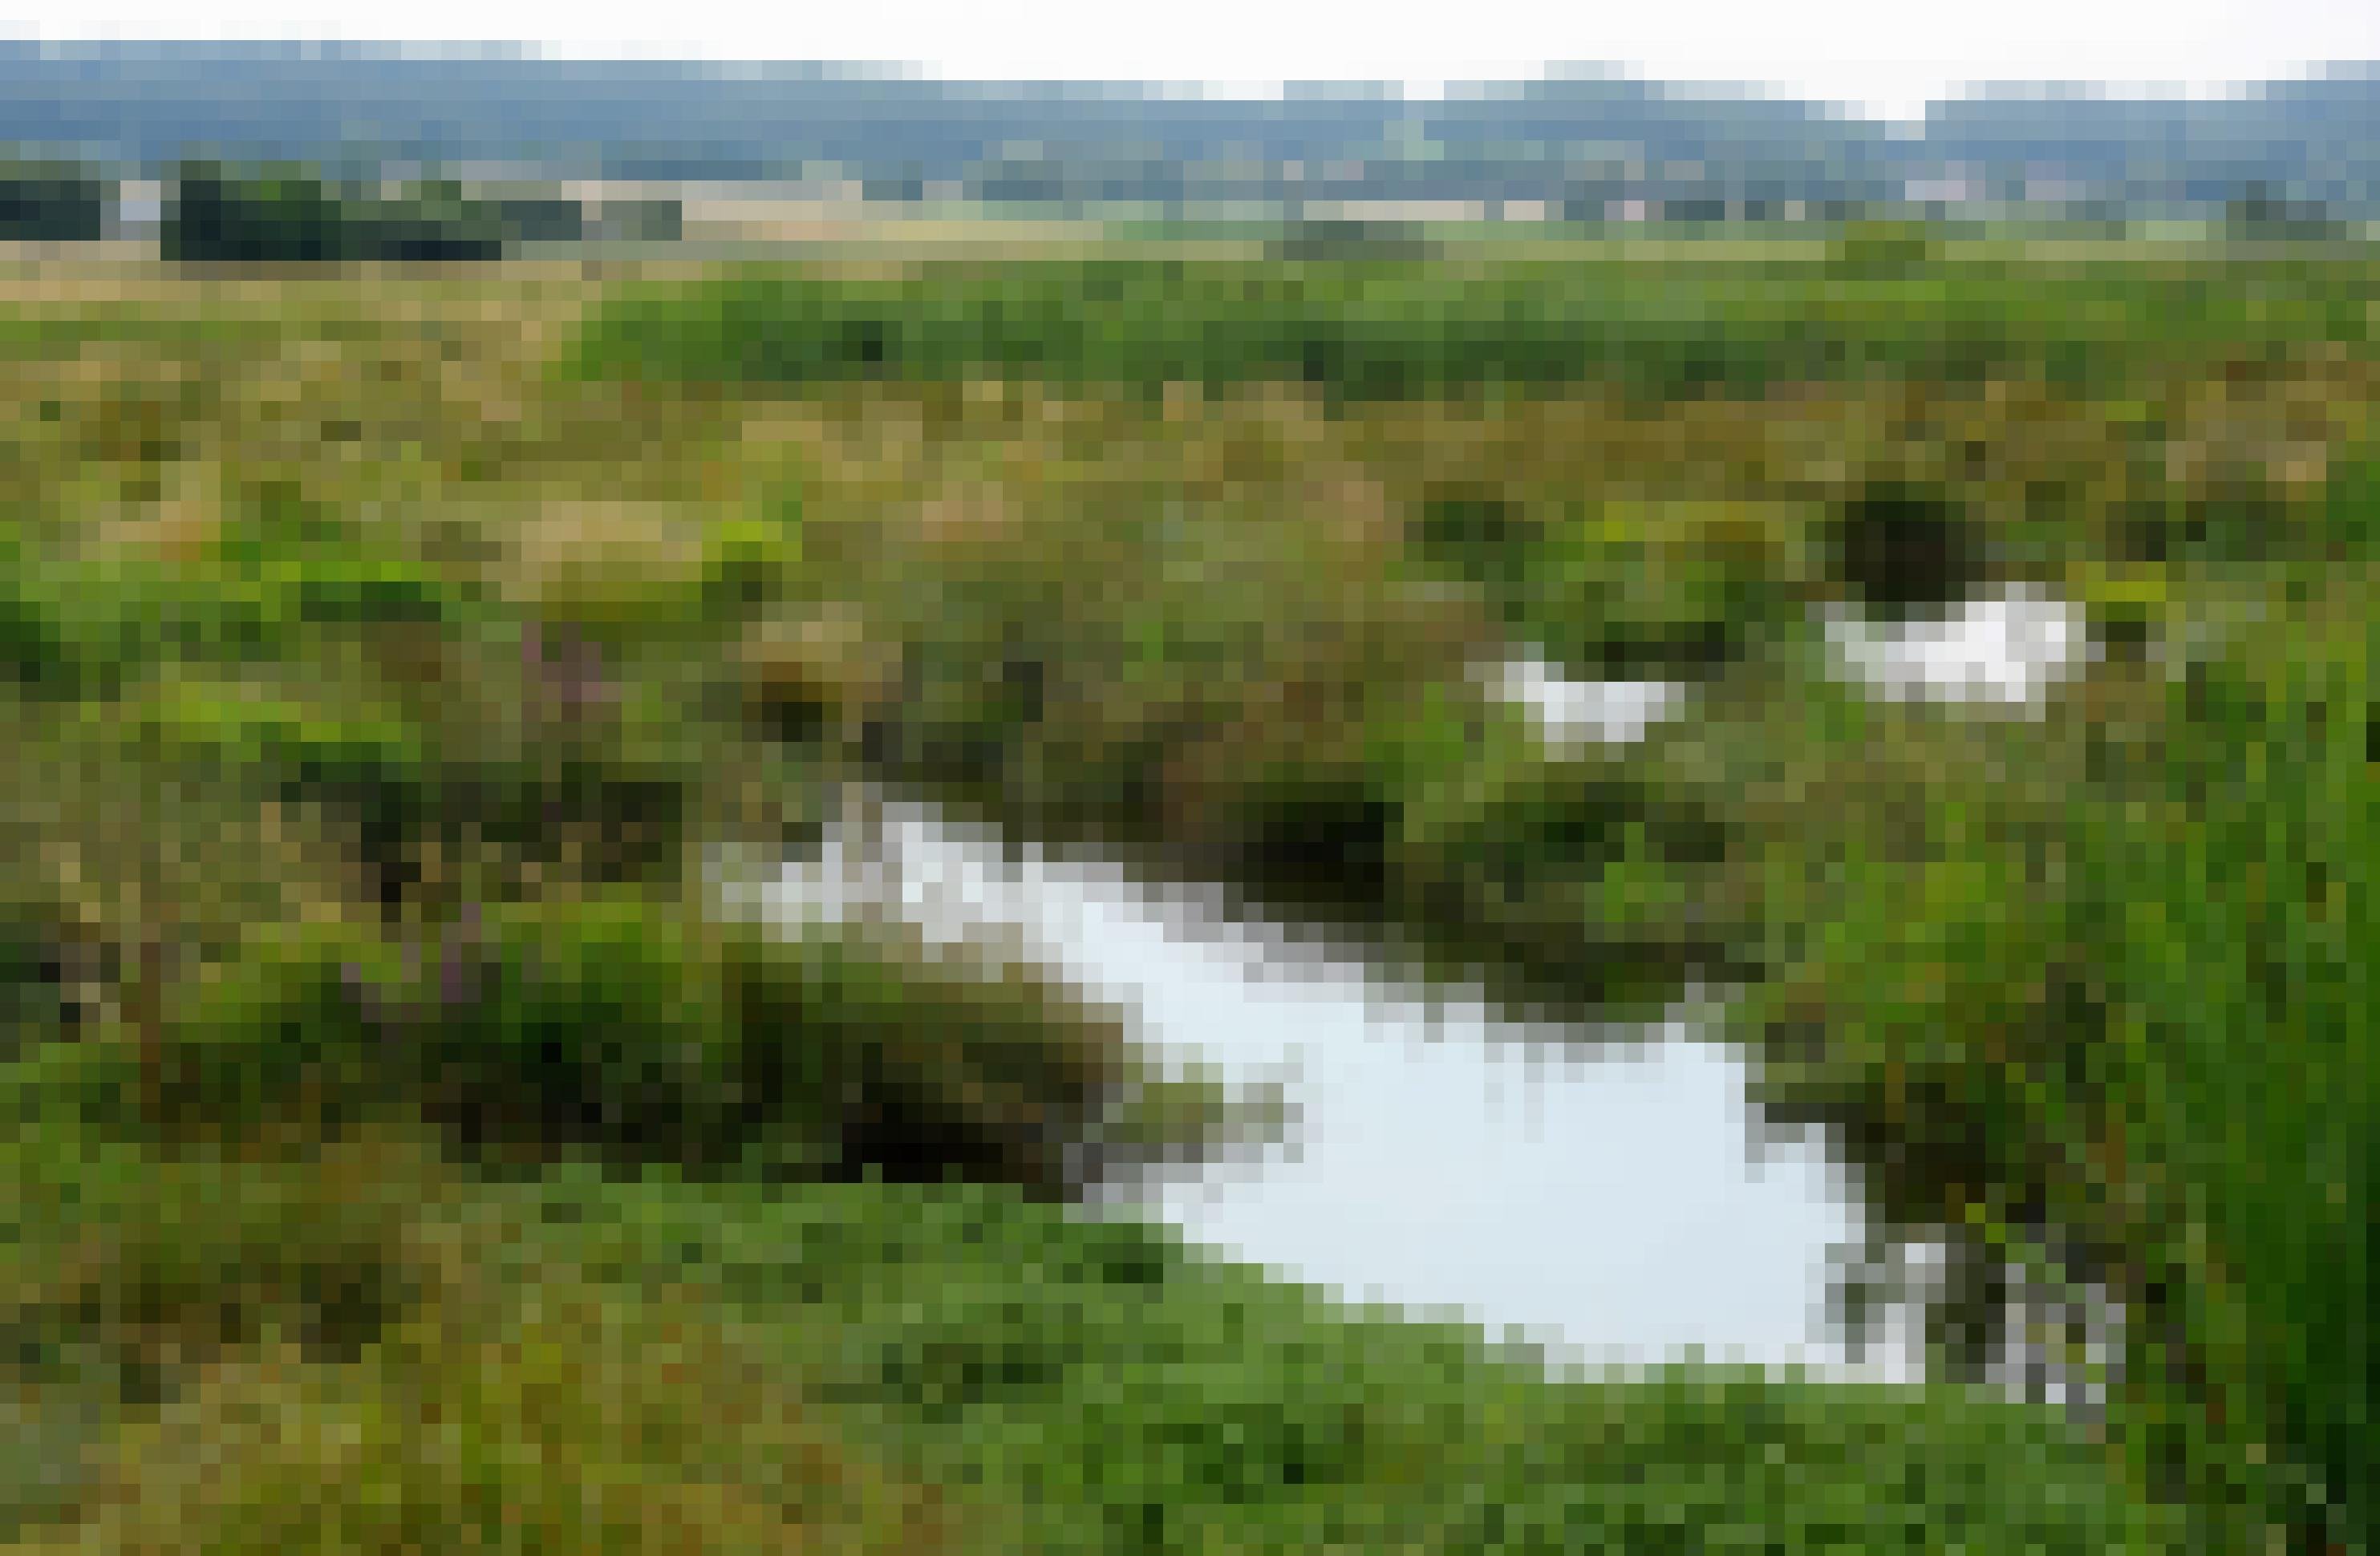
216,214
2261,211
52,202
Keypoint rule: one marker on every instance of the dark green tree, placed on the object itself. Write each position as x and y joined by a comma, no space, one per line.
51,202
284,215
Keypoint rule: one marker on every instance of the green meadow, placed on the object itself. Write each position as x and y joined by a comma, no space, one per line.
407,1151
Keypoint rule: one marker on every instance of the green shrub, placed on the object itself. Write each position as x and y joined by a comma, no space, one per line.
71,629
546,1029
752,561
228,728
1883,249
621,1025
1121,1392
87,628
1655,589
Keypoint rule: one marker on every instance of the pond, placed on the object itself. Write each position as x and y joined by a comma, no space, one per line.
1603,1192
1571,713
1600,1191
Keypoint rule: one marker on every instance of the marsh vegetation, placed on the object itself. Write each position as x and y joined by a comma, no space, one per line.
384,653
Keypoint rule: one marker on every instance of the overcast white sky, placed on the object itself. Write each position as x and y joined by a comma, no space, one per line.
1886,58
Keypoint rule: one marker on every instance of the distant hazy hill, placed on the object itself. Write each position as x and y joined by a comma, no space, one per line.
1575,144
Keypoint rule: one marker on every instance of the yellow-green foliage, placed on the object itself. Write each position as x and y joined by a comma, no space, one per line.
589,1421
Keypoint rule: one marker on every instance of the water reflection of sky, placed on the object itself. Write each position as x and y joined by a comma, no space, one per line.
1606,1197
1570,713
1606,1193
2006,648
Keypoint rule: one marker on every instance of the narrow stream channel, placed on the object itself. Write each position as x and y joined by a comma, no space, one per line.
1602,1192
1603,1196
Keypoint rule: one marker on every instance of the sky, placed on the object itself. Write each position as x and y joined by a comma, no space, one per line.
1883,58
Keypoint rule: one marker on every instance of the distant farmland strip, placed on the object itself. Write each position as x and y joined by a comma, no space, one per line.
1386,330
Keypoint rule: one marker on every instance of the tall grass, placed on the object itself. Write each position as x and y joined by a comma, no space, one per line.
2114,1019
1386,331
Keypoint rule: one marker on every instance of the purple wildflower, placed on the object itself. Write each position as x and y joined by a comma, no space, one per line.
459,982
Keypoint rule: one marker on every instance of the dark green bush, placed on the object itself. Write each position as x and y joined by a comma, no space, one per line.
586,1027
1899,549
1479,537
618,1025
34,1000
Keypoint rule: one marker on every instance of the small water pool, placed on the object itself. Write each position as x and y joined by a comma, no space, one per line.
2004,650
1601,1191
1573,713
